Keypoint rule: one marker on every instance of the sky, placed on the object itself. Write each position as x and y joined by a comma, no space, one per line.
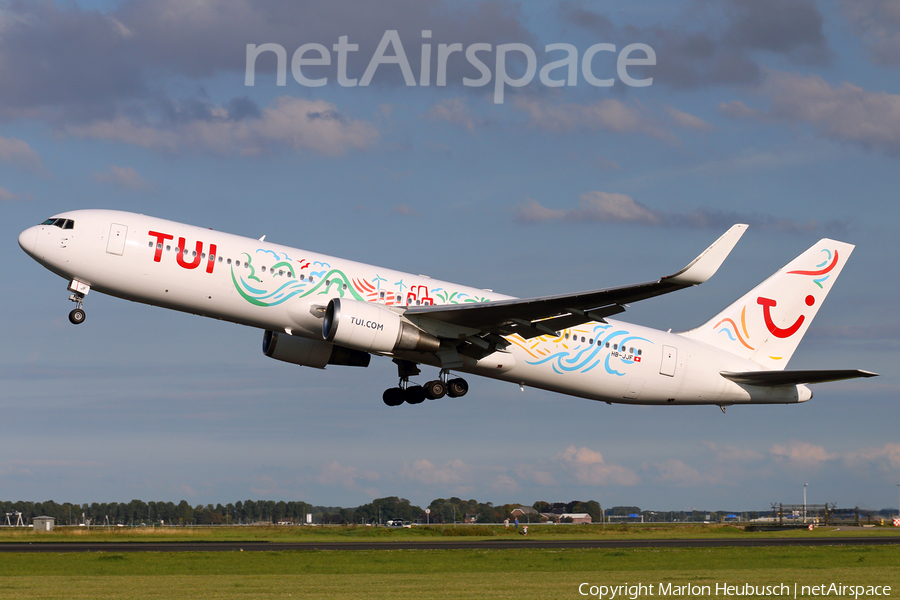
783,114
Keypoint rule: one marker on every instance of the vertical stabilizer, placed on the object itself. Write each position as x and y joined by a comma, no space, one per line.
767,323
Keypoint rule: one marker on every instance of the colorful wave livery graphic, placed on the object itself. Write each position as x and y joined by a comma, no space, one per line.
822,271
584,359
333,283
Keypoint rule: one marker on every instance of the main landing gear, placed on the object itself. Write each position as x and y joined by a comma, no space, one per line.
416,394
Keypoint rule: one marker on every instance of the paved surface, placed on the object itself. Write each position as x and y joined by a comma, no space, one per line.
436,545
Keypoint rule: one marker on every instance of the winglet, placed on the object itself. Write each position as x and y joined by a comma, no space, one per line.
704,266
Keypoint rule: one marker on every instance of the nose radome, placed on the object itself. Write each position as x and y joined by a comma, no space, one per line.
28,239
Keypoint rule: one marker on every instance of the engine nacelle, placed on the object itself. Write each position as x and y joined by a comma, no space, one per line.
371,327
311,353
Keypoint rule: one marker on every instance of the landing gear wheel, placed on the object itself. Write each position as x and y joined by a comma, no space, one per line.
415,394
435,389
76,317
457,387
393,396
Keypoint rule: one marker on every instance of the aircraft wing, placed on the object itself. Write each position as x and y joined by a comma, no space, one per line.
546,315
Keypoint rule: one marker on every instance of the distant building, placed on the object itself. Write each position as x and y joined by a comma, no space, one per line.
43,523
577,518
523,511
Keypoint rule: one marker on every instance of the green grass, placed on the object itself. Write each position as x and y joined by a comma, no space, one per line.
408,574
431,533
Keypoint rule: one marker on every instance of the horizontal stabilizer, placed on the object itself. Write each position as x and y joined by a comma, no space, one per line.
774,378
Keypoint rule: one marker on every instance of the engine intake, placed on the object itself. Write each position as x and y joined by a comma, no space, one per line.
311,353
371,327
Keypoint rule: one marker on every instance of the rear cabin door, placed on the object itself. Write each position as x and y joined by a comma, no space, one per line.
117,235
669,360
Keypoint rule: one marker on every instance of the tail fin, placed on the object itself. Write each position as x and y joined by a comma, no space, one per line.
767,323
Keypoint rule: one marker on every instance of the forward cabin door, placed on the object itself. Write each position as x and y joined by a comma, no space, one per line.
669,360
117,235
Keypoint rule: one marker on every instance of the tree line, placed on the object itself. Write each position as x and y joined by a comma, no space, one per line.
379,511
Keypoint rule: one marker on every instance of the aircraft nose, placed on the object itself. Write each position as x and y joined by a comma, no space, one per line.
28,239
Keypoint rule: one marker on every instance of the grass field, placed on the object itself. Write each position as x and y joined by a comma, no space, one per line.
350,533
417,574
408,574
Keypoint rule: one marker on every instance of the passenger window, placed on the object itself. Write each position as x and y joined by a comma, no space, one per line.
615,346
168,248
263,269
639,351
228,262
345,286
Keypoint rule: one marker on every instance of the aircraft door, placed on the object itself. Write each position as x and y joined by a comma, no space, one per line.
669,360
116,242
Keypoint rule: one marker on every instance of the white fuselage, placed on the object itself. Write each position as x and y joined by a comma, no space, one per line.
278,288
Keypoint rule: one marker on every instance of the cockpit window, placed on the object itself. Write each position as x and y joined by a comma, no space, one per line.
61,223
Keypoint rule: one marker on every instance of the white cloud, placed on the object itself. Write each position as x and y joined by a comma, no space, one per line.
453,472
539,476
886,457
594,206
123,177
454,111
680,473
683,119
589,468
732,453
405,210
845,112
335,473
20,154
289,123
801,454
606,115
605,207
878,23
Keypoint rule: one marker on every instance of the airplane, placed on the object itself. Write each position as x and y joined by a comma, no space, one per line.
318,310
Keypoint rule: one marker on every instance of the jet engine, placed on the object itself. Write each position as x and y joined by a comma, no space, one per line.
372,327
311,353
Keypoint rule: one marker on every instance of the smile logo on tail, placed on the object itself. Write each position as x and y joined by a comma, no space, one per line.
767,304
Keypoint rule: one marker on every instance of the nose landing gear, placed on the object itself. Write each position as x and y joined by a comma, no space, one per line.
80,289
